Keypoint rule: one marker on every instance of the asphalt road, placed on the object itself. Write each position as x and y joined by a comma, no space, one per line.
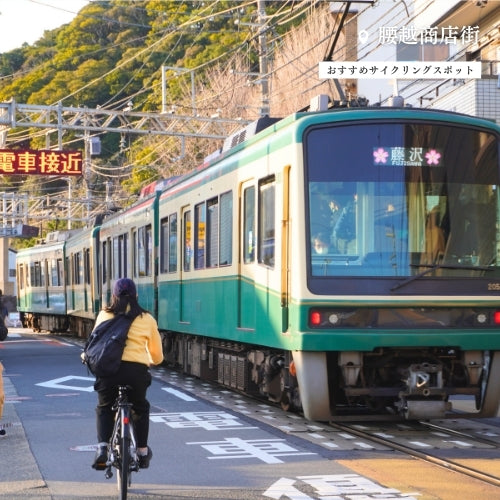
208,442
200,449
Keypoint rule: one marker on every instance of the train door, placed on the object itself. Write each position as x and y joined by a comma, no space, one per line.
70,282
248,232
264,251
106,270
44,282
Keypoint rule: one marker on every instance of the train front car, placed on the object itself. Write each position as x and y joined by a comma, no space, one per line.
398,310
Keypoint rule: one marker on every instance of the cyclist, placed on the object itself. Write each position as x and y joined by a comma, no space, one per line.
142,349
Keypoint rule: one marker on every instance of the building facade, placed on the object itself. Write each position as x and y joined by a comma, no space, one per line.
433,30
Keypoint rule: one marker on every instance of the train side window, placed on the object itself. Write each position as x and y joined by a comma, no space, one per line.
20,279
266,221
249,225
136,253
120,256
104,263
116,263
124,240
141,252
77,268
53,273
168,244
199,235
226,229
54,277
45,273
164,245
144,249
87,265
60,272
149,249
188,250
67,274
213,232
36,275
172,254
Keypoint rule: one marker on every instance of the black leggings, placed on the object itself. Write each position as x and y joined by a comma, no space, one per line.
138,377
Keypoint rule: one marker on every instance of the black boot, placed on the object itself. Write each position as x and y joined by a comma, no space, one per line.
144,459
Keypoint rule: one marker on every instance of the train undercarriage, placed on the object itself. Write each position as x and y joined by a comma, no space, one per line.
238,366
45,322
404,383
414,383
79,326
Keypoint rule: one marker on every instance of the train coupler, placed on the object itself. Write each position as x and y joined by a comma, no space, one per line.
425,397
425,379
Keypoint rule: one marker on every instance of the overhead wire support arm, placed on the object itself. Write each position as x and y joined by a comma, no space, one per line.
59,118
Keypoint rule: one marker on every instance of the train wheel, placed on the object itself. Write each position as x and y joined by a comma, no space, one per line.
491,393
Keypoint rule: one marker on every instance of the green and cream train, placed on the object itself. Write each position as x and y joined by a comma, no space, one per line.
343,262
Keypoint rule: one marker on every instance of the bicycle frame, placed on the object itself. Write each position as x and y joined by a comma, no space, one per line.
122,450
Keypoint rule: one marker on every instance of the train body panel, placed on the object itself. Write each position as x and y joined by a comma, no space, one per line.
127,248
41,286
207,310
337,262
82,284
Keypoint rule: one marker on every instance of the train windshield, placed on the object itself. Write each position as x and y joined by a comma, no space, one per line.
402,200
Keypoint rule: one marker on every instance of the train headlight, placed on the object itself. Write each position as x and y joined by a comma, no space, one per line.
481,318
334,318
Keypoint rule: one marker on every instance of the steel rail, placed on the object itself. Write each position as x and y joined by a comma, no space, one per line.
447,464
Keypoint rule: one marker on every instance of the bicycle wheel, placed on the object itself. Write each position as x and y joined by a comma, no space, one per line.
123,473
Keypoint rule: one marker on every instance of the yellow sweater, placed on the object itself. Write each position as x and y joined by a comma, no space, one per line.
143,342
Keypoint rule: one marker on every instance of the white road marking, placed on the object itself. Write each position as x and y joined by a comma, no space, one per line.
58,383
178,394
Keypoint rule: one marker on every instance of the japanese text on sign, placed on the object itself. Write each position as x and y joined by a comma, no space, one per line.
411,35
42,162
407,157
400,70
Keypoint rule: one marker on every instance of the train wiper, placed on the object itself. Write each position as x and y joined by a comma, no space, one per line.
433,267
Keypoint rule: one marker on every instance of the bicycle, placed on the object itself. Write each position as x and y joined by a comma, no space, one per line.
122,449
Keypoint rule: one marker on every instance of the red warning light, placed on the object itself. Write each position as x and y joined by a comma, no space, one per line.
315,318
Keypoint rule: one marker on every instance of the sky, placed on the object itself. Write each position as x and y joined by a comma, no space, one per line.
25,20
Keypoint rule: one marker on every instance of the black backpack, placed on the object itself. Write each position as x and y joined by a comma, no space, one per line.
104,348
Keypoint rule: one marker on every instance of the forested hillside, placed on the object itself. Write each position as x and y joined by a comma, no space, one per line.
111,54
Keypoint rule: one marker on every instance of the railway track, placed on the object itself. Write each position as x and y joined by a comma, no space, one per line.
389,441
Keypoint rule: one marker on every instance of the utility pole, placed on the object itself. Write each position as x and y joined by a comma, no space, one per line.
263,60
